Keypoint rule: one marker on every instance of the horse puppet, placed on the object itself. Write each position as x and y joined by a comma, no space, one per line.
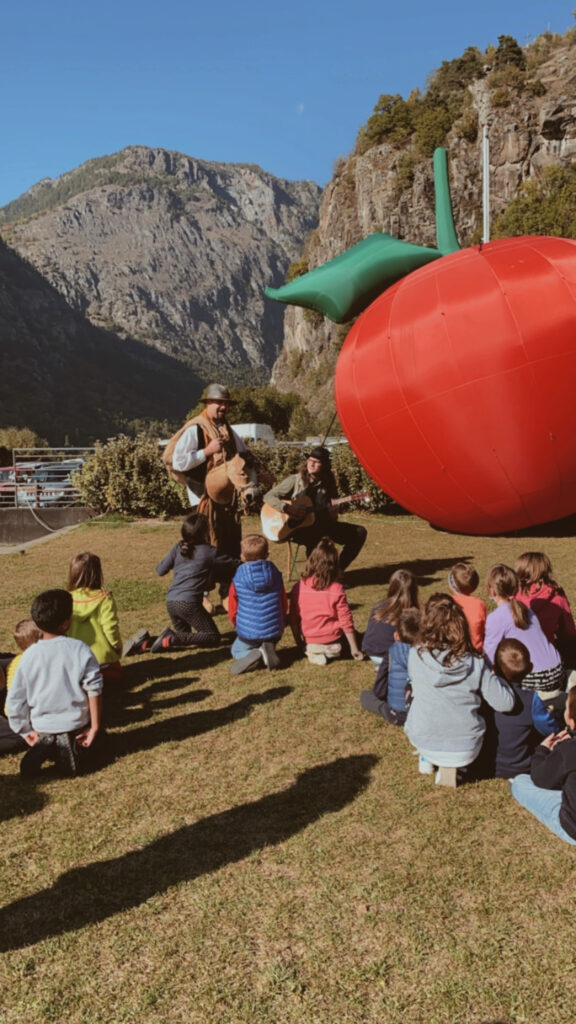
231,487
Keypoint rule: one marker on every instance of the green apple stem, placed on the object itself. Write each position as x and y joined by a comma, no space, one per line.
446,238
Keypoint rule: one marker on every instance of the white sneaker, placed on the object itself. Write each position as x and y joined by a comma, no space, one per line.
317,659
425,767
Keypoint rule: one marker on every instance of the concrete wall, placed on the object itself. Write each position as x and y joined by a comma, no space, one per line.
19,525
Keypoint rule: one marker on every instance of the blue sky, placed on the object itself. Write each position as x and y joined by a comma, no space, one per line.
285,86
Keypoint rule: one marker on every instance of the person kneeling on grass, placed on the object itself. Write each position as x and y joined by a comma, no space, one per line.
257,607
549,792
196,565
320,615
55,700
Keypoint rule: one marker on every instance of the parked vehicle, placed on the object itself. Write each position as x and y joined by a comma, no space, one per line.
11,477
50,485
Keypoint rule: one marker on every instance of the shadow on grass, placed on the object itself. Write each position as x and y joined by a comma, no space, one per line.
192,724
20,798
138,707
555,528
426,570
99,890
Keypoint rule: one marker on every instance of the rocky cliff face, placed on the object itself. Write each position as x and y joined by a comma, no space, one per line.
368,193
64,377
171,251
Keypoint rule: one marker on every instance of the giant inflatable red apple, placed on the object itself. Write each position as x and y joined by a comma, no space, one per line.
457,387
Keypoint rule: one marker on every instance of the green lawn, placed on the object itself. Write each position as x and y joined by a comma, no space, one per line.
261,849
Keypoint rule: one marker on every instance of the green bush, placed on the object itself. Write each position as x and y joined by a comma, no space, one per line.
546,206
509,52
433,126
127,475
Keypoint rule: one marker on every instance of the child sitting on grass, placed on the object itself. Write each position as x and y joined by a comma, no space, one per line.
54,702
95,616
549,792
511,736
449,680
25,634
320,616
381,631
463,580
393,706
257,607
9,740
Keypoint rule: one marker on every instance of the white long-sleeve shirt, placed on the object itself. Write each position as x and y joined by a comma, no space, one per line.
51,687
187,455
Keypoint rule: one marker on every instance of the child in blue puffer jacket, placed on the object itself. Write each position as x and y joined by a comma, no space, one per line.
257,607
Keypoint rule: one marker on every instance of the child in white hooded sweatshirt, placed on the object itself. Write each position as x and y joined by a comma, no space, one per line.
449,679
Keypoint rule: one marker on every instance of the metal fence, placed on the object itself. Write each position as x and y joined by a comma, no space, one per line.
42,477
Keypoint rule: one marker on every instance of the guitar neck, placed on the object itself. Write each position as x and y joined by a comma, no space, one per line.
359,496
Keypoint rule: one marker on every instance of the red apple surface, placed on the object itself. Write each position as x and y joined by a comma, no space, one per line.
457,387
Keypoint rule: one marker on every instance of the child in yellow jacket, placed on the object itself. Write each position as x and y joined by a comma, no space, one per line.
95,616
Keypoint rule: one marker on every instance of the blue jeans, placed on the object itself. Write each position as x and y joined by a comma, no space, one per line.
241,647
544,804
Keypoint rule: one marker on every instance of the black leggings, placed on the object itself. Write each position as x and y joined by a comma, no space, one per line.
352,537
192,625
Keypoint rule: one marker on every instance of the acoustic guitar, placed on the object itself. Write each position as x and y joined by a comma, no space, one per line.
278,526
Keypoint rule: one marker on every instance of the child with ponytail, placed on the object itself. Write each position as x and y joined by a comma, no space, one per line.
512,618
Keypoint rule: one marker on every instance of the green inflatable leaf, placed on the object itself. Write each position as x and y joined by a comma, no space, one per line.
346,285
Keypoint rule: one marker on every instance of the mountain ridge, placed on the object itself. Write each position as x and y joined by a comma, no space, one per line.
170,250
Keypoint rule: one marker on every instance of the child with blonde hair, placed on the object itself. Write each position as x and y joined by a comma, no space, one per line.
449,680
95,616
320,615
25,634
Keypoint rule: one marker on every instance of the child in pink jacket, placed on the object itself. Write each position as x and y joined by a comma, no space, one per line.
319,612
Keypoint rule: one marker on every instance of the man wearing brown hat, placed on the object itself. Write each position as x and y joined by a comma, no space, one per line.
315,480
203,442
202,438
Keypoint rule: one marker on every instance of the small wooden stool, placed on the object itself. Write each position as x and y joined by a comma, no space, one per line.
292,553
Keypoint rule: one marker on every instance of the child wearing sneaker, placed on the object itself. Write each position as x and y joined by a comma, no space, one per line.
257,607
320,616
197,566
54,702
463,581
449,680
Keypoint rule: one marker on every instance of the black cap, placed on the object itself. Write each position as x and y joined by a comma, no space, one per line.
321,454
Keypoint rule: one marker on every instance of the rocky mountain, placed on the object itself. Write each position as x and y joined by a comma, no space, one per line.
525,97
63,377
170,251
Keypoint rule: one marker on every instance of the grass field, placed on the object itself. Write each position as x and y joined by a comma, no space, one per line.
261,849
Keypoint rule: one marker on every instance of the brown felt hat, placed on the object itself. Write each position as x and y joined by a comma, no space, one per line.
217,393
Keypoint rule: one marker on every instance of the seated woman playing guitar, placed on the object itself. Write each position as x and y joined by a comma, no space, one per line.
307,501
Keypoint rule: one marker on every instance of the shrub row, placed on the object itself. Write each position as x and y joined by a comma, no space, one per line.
127,476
